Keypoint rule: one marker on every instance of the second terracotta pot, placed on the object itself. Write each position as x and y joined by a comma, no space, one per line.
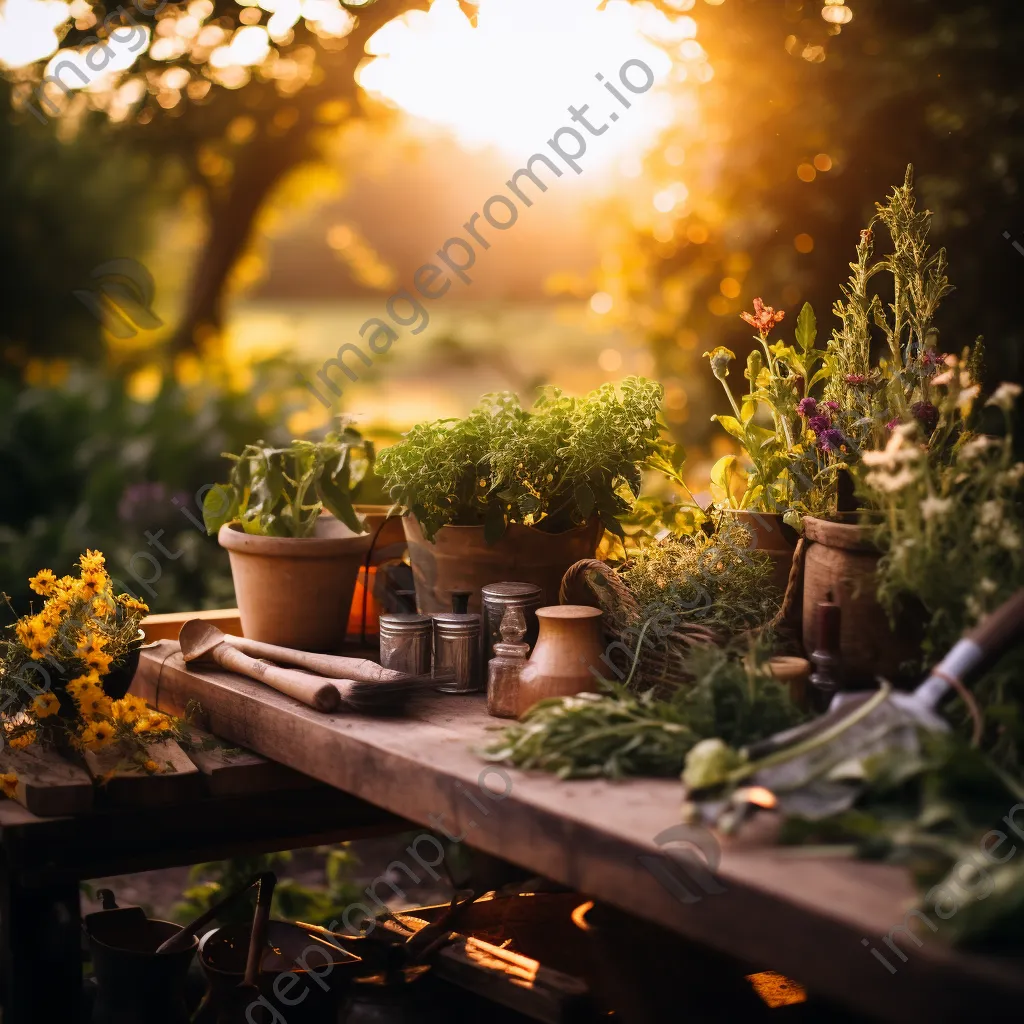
567,657
841,565
460,559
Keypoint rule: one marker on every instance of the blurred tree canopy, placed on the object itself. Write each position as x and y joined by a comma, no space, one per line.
813,112
234,94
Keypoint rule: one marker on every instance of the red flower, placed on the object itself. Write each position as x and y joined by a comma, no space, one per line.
856,379
764,318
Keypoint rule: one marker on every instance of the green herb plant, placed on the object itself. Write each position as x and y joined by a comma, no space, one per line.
280,492
554,467
617,733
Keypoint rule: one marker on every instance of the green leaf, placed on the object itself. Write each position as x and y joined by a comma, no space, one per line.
806,328
338,502
220,506
734,427
584,495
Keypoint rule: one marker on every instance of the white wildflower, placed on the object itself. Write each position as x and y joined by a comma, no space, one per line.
991,514
1013,475
1009,538
987,586
932,506
975,447
890,482
1005,395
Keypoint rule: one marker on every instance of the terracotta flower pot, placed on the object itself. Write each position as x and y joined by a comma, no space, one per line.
460,559
772,536
296,591
841,564
568,649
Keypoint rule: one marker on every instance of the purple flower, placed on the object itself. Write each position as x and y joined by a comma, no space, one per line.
831,406
832,440
819,423
807,406
927,415
892,424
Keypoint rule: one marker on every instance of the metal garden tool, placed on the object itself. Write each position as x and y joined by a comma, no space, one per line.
817,769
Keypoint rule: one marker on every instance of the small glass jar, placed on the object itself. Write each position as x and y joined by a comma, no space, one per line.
504,668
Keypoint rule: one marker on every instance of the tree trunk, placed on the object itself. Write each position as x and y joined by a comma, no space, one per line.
231,216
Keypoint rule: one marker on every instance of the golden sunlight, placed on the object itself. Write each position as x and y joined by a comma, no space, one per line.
508,82
28,30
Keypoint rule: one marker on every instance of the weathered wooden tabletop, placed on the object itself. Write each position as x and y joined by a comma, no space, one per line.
815,919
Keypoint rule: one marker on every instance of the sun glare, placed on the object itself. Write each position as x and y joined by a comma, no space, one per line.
28,30
508,81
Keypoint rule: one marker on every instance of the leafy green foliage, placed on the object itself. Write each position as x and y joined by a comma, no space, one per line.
280,492
87,465
715,579
618,734
214,880
554,467
930,812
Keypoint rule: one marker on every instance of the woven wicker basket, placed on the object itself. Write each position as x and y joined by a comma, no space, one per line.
660,666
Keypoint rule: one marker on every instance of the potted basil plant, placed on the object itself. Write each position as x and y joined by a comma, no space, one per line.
295,541
514,494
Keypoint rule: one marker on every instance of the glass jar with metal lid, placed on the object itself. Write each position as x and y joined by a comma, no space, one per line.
497,598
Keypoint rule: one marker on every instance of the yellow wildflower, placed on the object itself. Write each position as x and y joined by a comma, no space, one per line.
44,582
97,736
131,604
153,723
53,611
151,766
89,643
83,684
23,740
92,561
94,703
9,784
34,634
98,662
92,583
45,704
104,606
128,709
67,586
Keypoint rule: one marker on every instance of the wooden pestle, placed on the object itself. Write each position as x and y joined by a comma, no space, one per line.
331,665
200,639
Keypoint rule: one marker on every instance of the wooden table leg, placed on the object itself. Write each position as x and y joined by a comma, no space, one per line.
40,953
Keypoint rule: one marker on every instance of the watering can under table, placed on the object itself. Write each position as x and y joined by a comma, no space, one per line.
135,984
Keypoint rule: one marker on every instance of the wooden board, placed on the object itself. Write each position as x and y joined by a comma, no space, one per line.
165,626
230,769
178,779
805,917
48,785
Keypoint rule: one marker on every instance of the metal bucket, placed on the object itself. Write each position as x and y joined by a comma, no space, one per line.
135,985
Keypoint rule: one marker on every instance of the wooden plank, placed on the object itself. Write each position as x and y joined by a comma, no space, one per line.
166,625
48,785
230,769
177,781
805,917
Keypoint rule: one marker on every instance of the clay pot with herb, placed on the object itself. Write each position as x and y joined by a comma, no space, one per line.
294,538
515,494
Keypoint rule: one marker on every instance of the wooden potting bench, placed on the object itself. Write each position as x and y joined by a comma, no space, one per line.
817,920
